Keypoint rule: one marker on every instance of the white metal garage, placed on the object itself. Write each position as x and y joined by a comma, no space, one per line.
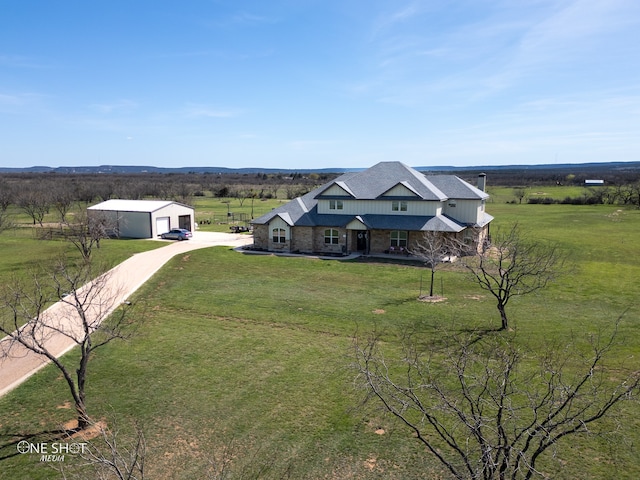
144,218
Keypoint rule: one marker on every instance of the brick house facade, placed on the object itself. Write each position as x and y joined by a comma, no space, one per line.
386,208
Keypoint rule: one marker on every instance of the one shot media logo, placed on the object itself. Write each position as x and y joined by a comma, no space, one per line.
51,451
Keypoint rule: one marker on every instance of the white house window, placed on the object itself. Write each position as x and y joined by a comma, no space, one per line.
279,235
399,238
398,206
335,204
331,236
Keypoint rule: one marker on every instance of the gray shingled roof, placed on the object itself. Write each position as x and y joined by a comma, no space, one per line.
372,184
457,188
376,181
296,211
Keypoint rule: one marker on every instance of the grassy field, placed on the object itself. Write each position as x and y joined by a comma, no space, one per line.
214,211
557,192
245,358
23,252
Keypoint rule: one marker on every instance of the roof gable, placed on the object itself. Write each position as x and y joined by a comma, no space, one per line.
376,181
336,189
403,189
118,205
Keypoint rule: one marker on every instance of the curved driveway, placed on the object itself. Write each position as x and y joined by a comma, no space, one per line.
121,282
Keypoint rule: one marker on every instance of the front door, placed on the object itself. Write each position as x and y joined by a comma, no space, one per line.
362,238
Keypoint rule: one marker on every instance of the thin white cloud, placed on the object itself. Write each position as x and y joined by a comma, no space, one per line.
19,61
592,126
308,144
11,99
194,111
20,102
248,18
118,106
499,46
184,54
241,19
388,20
248,136
570,33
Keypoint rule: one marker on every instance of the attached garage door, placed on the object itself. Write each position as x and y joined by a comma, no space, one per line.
162,225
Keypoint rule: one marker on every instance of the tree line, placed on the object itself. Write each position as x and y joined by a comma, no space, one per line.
38,194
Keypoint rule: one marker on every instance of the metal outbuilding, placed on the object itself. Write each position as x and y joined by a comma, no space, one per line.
144,218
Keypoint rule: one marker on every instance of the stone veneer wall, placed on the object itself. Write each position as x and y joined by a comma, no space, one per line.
302,239
318,241
261,236
311,240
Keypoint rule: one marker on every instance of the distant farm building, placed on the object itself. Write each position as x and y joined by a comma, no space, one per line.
594,183
143,218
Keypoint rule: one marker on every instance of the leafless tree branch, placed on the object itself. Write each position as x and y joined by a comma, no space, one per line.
514,265
489,408
42,317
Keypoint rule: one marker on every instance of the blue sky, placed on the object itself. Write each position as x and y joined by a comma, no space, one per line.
318,83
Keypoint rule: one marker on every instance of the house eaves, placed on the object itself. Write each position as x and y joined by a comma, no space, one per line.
485,220
456,188
438,223
442,223
146,206
286,218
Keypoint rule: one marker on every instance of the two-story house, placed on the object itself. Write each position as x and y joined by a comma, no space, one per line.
386,208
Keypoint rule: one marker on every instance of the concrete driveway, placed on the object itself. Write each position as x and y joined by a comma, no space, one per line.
120,283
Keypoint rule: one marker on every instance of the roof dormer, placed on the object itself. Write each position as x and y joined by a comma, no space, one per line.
403,190
336,189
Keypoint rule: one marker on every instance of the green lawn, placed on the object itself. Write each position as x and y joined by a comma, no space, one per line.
23,252
557,192
246,357
212,214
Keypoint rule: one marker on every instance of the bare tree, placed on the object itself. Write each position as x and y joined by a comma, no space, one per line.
487,408
76,319
514,265
62,199
433,249
241,194
34,203
6,197
520,193
5,220
87,230
110,457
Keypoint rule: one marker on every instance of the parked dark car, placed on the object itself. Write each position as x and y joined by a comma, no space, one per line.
177,234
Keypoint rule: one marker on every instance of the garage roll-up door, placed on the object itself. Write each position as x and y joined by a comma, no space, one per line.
162,225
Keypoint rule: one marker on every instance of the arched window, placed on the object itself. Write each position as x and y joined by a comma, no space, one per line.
331,236
279,235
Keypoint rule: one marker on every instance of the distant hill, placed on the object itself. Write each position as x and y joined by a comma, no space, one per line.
126,169
149,169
